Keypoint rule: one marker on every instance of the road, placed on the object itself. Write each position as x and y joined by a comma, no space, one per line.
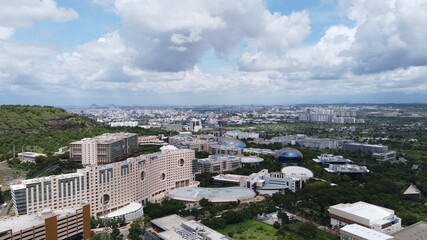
3,211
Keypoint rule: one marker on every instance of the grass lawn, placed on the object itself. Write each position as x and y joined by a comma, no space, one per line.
254,230
294,225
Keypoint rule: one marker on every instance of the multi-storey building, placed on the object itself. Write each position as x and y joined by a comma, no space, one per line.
140,179
104,149
368,215
219,163
384,157
69,223
365,148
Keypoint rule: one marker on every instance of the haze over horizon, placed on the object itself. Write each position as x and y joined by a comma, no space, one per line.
130,52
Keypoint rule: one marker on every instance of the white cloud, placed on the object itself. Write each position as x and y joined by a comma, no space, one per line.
6,32
174,35
23,13
161,42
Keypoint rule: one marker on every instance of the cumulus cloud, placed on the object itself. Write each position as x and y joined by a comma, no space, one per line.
161,43
23,13
174,35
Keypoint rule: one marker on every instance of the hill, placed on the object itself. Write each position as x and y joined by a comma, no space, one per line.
24,120
42,129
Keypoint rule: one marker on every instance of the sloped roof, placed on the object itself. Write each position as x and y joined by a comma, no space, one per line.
412,189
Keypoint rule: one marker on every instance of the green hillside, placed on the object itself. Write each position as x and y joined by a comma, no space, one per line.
42,129
23,120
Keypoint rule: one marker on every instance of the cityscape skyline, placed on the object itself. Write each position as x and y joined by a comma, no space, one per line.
124,52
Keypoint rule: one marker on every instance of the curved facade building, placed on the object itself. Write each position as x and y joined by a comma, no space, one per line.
144,178
193,195
288,157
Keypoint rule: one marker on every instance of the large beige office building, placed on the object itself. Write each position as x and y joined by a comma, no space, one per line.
104,149
135,180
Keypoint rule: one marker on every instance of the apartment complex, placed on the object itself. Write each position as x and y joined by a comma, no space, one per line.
70,223
104,149
219,163
144,178
368,215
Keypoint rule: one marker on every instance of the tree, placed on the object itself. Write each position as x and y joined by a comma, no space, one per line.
135,230
115,234
284,219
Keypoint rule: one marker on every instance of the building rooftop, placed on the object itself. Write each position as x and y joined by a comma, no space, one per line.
412,189
212,194
251,160
365,233
177,228
131,207
416,231
367,212
25,221
299,172
346,168
106,138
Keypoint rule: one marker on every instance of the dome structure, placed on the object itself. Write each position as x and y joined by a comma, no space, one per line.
288,156
231,142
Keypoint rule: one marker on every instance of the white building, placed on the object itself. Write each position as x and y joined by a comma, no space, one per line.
368,215
29,156
144,178
357,232
263,182
195,125
241,135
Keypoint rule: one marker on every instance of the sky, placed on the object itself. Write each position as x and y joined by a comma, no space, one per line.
191,52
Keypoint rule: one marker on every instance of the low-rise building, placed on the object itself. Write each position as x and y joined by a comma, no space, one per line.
241,135
29,156
263,182
68,223
384,157
357,232
348,169
150,140
191,196
416,231
364,147
368,215
219,163
325,159
174,227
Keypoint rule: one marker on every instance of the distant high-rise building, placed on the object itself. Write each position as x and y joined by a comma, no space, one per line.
195,125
